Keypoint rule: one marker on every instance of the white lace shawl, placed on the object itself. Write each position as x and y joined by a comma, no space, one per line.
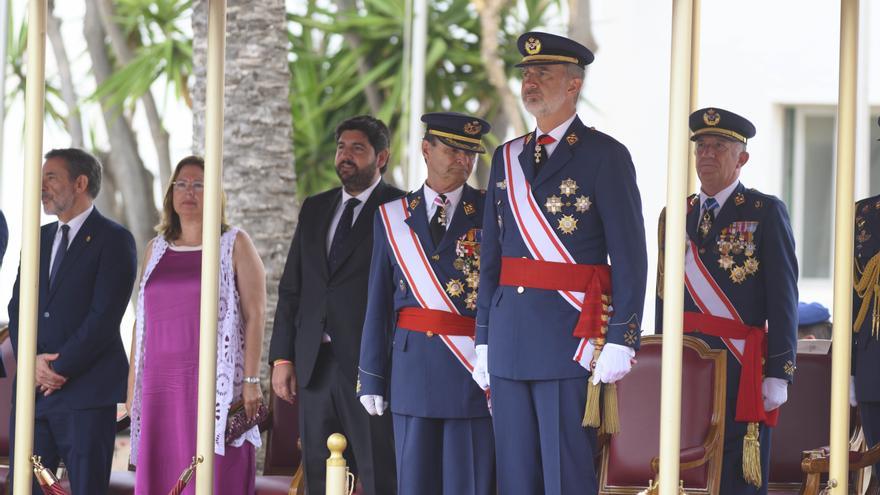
230,348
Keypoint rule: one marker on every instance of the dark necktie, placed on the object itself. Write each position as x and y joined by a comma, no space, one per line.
541,155
438,221
342,230
59,255
708,217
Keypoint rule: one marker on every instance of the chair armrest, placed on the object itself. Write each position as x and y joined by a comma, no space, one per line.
694,457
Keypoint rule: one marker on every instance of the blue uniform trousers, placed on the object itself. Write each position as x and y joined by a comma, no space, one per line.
439,456
732,481
82,438
540,445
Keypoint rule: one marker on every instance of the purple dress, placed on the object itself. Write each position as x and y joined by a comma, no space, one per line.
170,385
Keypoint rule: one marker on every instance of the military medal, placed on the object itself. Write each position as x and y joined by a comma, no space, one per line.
582,203
725,261
568,187
473,279
458,264
567,224
738,274
751,266
454,287
553,205
470,300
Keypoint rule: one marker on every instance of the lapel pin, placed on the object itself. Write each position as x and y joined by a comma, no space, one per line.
469,209
414,203
88,238
739,199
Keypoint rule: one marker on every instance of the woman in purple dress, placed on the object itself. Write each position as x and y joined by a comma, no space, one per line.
163,377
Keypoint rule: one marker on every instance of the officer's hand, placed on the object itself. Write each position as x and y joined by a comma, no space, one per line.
481,367
284,381
374,404
614,363
852,392
775,392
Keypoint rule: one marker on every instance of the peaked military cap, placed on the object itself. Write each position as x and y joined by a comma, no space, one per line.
812,313
720,122
457,130
544,48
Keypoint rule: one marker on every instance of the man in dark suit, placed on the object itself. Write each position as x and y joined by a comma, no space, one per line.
4,237
864,385
741,292
322,300
87,270
562,200
423,298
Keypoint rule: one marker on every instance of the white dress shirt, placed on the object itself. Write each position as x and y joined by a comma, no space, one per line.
721,197
452,199
75,224
557,133
363,197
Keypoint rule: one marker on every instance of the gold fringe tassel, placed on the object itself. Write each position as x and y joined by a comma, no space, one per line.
752,456
610,416
867,287
592,418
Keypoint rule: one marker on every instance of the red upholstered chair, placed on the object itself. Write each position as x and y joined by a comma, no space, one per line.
282,469
5,404
627,460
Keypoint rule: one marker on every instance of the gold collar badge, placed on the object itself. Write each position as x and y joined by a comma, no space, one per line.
469,209
414,203
571,139
711,117
739,199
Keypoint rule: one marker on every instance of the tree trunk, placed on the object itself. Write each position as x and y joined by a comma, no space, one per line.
580,24
258,170
72,122
136,182
124,55
348,8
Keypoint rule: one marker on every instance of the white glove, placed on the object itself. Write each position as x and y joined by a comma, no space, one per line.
374,404
852,392
481,367
614,363
775,392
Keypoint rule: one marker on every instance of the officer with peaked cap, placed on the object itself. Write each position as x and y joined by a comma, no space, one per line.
424,277
865,382
561,200
741,295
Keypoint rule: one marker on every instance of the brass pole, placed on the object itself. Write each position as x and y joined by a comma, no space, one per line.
673,281
843,246
695,87
211,244
337,469
30,246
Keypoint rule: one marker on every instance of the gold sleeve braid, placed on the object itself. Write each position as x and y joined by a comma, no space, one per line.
865,283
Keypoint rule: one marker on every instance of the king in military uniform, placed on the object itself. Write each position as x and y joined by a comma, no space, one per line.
424,279
865,382
741,292
562,200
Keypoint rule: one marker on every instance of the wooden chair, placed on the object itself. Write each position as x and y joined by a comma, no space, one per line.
629,461
282,469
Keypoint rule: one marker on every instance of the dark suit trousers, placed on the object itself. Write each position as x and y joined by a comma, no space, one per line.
329,405
870,415
82,438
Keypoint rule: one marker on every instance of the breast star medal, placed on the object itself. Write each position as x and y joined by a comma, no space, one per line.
567,224
454,287
568,187
582,203
553,205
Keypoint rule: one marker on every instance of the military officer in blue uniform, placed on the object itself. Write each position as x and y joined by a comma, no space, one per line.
865,381
561,201
417,348
741,293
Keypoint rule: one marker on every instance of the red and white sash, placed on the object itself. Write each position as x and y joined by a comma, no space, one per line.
709,297
422,280
537,233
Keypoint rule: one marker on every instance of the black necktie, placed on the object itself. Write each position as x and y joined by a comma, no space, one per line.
59,255
438,221
342,230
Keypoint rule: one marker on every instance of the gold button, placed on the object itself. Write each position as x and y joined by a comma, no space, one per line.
436,257
430,334
520,290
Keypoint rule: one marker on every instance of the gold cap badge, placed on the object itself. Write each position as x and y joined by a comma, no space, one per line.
473,128
533,46
711,117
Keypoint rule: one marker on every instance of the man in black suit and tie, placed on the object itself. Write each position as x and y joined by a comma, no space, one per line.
322,300
87,270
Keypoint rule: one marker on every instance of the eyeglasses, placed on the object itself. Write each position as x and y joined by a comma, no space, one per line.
182,185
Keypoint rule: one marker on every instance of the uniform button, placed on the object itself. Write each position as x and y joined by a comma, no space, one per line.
702,250
520,289
46,314
436,257
430,334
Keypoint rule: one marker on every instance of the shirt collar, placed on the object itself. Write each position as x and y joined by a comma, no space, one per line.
452,197
76,222
722,195
363,196
559,131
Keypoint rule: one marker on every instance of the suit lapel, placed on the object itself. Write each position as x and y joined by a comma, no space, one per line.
562,154
526,158
46,240
418,218
464,219
78,246
362,225
325,218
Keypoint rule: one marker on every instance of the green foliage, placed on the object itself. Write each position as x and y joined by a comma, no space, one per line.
162,45
327,87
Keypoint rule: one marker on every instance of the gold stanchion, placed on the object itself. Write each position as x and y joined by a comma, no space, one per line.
30,246
211,245
673,281
843,247
339,480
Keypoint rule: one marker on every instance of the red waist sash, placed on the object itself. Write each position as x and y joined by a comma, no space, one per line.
749,398
593,280
437,322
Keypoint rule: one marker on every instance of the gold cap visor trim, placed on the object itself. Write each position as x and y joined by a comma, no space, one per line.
454,136
455,143
723,132
529,59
